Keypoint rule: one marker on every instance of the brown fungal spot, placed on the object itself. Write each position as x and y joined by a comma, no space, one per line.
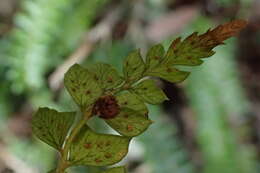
97,160
110,79
144,88
100,145
60,126
169,70
106,107
87,145
72,81
126,116
73,89
88,92
189,57
95,77
108,143
125,103
108,155
129,128
192,42
156,57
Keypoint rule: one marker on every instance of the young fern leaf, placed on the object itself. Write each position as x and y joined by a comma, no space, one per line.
132,119
189,52
168,73
120,169
94,149
133,66
131,101
106,75
149,92
129,122
82,86
51,126
154,56
120,101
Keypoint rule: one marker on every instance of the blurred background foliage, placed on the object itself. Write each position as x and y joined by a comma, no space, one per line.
211,123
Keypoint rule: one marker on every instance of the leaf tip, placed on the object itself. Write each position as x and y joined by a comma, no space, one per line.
240,23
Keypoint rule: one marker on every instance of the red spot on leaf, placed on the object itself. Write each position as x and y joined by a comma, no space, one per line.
129,128
97,160
87,145
108,155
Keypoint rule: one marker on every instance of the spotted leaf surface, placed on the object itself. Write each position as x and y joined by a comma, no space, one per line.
129,122
190,51
52,126
131,101
154,56
94,149
133,66
168,73
106,75
120,169
149,92
82,86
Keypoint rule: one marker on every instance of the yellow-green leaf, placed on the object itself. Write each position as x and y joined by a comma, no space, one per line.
169,73
52,126
94,149
149,92
154,56
129,122
106,75
82,86
190,51
133,66
131,101
120,169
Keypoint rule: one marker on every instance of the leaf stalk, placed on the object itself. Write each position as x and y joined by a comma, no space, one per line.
64,162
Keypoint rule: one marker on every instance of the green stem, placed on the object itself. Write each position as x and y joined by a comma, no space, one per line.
63,163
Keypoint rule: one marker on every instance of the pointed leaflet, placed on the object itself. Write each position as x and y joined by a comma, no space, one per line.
190,51
82,86
133,66
94,149
154,56
106,75
129,122
129,100
51,126
120,169
149,92
132,119
168,73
